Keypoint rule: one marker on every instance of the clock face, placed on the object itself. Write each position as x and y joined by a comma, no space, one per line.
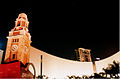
14,48
26,49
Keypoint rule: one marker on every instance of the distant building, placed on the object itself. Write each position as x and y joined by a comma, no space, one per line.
1,55
84,55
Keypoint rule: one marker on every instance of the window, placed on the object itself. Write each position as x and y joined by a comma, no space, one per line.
23,23
18,23
15,40
13,56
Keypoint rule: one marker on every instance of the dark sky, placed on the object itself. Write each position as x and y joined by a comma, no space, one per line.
59,27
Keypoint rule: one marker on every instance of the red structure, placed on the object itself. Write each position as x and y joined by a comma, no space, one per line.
11,70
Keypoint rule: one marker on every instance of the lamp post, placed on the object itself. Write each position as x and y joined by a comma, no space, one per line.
94,65
41,69
40,76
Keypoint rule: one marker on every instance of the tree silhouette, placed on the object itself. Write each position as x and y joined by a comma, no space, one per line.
112,69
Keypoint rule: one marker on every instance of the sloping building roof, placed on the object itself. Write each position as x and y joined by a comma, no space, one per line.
60,68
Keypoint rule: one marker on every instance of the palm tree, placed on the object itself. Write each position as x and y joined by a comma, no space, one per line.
112,69
116,68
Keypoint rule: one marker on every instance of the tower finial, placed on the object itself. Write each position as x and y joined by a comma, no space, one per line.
22,15
22,20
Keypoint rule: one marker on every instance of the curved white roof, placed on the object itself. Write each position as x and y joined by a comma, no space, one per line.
59,68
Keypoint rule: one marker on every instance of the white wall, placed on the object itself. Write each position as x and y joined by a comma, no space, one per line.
104,63
59,68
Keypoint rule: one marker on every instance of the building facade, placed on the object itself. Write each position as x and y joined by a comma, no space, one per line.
84,55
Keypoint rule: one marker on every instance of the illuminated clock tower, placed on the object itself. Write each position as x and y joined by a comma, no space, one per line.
19,40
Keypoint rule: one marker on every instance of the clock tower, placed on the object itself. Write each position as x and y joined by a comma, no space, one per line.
19,40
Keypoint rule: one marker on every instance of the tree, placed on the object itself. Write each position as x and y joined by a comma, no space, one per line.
112,69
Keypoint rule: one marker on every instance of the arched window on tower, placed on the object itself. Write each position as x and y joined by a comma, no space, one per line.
23,23
13,56
18,23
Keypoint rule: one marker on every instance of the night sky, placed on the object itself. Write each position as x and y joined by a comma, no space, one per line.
59,27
